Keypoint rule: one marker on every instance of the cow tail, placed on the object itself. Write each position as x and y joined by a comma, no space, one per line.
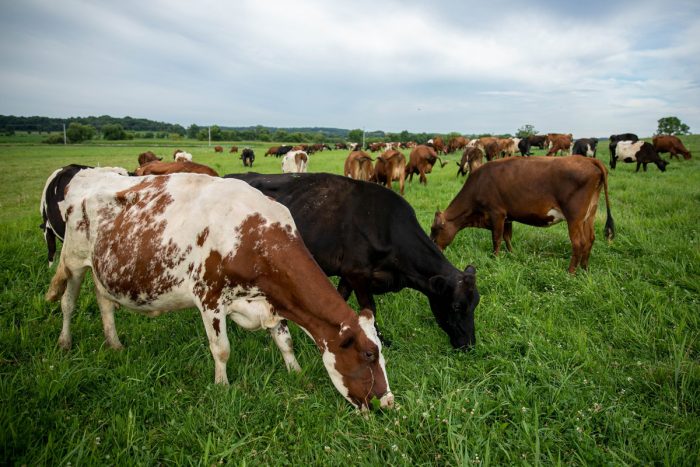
609,230
59,282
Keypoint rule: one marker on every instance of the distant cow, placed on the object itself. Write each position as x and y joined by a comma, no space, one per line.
671,144
164,168
272,151
421,162
507,147
341,146
390,166
559,143
640,152
472,159
456,143
233,149
248,157
437,143
358,165
148,156
524,147
537,140
501,192
182,156
295,162
218,149
158,244
585,147
370,238
282,150
614,139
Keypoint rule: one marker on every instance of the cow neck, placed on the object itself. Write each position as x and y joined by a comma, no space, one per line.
425,261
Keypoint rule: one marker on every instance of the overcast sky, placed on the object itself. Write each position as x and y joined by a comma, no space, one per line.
588,67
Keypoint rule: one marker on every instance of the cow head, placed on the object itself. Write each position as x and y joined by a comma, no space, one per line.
453,301
661,164
356,365
442,232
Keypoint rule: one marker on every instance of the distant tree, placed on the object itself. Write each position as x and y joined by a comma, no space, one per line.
280,135
54,138
193,131
203,134
113,132
525,131
148,135
355,135
672,126
216,133
77,133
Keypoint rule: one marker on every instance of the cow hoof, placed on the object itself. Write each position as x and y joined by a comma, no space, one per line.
65,343
115,345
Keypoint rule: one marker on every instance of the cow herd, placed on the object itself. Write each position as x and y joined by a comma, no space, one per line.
261,258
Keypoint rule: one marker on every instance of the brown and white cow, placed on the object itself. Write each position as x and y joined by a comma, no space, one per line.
671,144
182,156
502,191
472,159
456,143
148,156
164,168
507,147
421,162
437,143
242,258
390,166
272,151
559,143
358,166
295,162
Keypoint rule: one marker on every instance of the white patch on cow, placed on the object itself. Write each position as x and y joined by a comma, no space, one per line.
556,214
253,313
337,379
367,325
627,150
343,328
589,151
182,156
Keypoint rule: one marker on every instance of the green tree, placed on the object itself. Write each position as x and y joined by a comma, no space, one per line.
216,134
77,133
525,131
193,131
113,132
355,135
672,126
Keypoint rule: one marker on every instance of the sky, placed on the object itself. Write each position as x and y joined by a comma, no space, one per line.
591,68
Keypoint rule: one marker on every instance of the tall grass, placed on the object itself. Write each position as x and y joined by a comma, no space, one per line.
597,368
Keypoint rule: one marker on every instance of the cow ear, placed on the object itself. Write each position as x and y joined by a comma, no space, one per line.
470,276
367,313
438,284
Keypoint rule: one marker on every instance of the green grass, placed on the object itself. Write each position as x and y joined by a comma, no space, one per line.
597,368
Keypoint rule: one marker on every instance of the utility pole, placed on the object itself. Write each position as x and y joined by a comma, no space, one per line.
65,140
363,139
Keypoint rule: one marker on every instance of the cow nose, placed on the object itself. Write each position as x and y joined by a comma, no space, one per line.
387,401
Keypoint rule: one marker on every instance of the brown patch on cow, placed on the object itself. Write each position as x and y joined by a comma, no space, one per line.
165,168
69,211
84,223
215,325
202,236
130,257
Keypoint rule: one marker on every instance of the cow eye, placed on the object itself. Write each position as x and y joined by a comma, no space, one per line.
347,342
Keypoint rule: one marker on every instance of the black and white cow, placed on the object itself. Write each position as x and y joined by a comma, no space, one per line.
369,236
614,139
640,152
585,147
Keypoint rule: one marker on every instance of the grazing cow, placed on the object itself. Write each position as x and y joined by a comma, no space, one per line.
369,236
390,166
341,146
421,162
282,150
472,159
640,152
537,140
671,144
614,139
491,150
165,168
456,143
272,151
248,157
506,147
437,143
585,147
53,225
375,147
358,166
244,259
524,147
182,156
502,192
148,156
218,149
233,149
295,162
558,142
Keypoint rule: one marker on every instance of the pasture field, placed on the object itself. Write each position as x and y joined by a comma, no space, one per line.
598,368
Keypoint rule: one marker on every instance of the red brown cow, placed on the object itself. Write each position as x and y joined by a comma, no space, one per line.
272,151
148,156
358,166
670,144
558,142
218,149
233,149
456,143
164,168
472,159
536,191
159,244
421,161
437,143
390,166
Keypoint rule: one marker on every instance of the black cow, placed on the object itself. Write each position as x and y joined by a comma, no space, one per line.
614,139
369,236
537,140
524,146
585,147
248,157
53,224
282,150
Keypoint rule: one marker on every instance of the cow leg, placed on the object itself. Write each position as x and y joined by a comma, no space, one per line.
423,178
589,230
215,325
498,226
50,238
645,166
107,307
280,334
401,184
66,283
577,236
344,288
508,235
638,164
